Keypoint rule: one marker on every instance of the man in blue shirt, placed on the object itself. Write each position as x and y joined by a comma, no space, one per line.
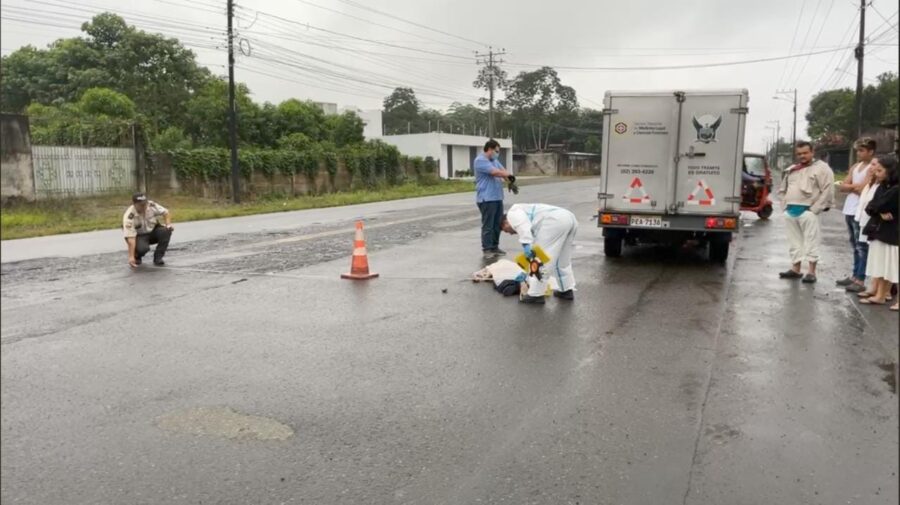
489,177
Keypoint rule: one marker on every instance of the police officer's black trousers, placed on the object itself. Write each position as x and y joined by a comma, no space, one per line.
159,236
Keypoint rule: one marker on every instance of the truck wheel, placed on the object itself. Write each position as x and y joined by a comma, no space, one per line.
718,247
612,246
765,212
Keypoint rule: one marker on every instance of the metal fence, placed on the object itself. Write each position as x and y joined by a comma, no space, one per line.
82,171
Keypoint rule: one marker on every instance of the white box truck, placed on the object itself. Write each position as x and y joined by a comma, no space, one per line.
671,168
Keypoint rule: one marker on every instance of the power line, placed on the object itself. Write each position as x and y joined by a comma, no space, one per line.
872,5
435,91
311,27
426,27
849,30
816,41
319,71
56,23
793,41
440,80
306,2
805,38
162,21
681,67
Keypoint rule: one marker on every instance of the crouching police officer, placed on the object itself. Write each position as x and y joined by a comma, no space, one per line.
142,228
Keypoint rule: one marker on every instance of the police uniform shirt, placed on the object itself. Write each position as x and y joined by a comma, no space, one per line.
134,223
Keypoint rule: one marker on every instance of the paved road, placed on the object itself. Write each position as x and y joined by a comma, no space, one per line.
248,372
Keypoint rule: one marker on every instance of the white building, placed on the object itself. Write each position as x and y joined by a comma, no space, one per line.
455,152
373,128
330,109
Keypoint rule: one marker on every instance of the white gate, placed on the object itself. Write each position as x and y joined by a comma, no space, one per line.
82,171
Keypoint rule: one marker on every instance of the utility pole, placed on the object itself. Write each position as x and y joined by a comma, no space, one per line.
777,133
776,138
859,53
794,102
232,113
490,60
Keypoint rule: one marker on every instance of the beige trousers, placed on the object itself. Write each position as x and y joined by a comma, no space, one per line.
803,236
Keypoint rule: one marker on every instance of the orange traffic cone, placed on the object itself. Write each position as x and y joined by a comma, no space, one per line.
359,267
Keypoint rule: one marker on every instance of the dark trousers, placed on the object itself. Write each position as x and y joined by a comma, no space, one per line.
491,218
159,236
860,249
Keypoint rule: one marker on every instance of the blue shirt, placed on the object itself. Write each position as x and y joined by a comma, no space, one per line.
487,187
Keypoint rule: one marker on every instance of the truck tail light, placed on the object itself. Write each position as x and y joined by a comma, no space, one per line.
620,219
728,223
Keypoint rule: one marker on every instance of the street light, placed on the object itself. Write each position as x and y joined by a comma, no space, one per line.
794,102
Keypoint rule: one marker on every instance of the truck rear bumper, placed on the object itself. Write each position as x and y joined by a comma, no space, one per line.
635,224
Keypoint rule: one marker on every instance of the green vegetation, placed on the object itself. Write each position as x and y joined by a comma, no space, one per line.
831,116
87,214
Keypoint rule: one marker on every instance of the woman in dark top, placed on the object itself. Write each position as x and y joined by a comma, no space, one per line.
884,255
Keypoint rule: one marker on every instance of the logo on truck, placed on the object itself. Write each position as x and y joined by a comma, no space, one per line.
707,127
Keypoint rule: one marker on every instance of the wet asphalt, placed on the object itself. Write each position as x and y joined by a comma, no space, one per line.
247,371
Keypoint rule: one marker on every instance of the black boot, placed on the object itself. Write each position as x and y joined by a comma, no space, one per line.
565,295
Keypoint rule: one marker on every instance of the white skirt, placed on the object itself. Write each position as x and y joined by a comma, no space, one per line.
883,261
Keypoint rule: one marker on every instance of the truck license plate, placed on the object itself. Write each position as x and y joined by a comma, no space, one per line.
649,222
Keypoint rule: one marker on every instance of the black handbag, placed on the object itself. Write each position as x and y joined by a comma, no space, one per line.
872,226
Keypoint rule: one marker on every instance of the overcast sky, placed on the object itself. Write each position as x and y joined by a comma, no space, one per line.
300,48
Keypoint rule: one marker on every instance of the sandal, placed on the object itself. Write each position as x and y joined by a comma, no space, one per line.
868,301
809,279
895,307
865,294
790,274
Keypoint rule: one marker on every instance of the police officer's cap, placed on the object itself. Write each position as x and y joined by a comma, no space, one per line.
138,197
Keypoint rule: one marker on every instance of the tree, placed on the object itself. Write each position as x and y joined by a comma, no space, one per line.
472,118
170,139
401,109
101,117
345,129
106,102
157,73
295,142
295,116
537,102
484,80
831,117
207,115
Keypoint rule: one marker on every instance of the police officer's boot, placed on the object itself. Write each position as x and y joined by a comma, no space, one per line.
163,235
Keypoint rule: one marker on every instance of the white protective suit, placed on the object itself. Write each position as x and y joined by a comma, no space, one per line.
552,228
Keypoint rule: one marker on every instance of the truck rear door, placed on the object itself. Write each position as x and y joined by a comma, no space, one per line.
640,135
710,147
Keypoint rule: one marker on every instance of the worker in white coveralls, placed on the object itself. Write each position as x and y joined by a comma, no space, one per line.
552,228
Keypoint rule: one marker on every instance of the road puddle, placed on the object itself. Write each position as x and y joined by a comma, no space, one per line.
890,376
224,422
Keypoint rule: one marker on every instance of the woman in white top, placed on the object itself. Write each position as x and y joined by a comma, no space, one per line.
853,185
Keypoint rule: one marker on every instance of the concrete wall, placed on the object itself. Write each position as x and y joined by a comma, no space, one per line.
540,164
555,163
16,165
578,164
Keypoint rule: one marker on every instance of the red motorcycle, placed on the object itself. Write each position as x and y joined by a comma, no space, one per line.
756,185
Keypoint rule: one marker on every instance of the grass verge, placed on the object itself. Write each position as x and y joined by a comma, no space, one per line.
35,219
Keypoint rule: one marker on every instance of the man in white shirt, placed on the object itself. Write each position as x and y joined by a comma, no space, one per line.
853,185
